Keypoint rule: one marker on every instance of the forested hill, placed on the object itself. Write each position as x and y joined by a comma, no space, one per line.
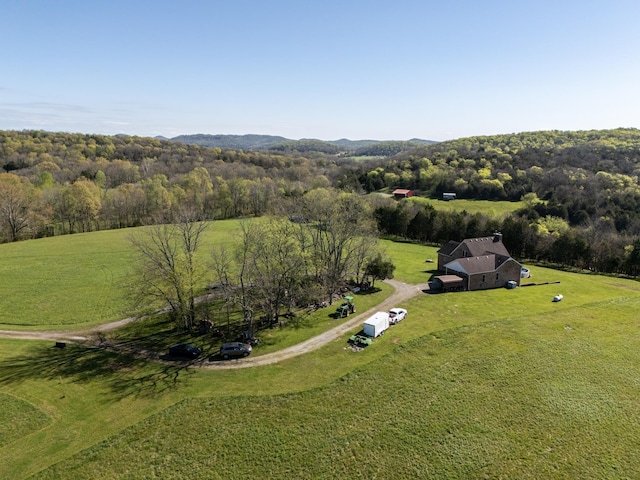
63,182
238,142
270,142
505,167
588,179
591,149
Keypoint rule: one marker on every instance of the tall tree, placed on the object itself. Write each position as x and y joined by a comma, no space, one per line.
16,197
335,224
379,268
168,271
278,264
81,202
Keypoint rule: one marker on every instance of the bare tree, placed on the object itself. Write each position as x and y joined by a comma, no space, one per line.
337,224
221,265
245,292
16,195
278,265
169,273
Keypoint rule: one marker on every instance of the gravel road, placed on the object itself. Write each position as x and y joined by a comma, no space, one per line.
402,292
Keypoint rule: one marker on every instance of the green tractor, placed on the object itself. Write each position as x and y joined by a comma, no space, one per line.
347,308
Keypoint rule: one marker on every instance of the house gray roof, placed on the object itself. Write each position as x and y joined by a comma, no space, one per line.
480,246
480,264
449,247
477,246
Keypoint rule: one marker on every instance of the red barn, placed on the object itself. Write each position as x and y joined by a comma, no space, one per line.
399,193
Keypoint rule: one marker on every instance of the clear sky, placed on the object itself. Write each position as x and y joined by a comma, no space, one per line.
326,69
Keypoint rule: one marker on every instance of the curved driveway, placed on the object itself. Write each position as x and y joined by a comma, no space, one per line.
402,292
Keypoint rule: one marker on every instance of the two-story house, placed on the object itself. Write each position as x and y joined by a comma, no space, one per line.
476,264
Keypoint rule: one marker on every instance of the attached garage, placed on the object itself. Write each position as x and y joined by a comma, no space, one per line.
448,283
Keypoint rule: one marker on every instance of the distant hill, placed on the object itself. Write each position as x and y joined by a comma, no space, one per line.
390,148
272,142
240,142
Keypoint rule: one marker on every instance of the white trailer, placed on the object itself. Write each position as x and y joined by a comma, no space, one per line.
375,325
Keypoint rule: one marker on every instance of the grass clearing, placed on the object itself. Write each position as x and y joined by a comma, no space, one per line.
64,281
18,418
524,397
76,280
498,384
486,207
410,260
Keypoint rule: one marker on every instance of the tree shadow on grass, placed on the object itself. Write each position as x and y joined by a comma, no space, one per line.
124,373
368,291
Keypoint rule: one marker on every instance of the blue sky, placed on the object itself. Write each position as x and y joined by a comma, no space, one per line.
323,69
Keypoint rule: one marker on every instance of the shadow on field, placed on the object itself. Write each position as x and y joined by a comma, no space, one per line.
124,373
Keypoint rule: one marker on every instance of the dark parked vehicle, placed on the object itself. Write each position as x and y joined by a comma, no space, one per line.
234,350
185,350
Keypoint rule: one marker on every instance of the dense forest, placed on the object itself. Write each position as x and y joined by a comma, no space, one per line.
580,189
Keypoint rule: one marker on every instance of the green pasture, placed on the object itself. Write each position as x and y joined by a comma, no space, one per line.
415,263
497,384
65,281
76,280
84,280
486,207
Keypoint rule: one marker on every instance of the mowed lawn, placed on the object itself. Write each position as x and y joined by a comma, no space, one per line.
486,207
76,280
65,281
83,280
495,384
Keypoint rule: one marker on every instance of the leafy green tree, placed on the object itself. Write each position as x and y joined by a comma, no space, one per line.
632,260
157,197
379,268
199,189
80,204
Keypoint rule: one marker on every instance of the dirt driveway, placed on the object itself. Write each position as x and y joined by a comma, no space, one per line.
402,292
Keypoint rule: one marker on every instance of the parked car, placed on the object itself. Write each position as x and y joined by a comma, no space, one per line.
185,350
234,350
396,315
525,273
558,298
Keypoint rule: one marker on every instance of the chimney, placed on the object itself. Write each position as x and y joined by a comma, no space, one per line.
497,237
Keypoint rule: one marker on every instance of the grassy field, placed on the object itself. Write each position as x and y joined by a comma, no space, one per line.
495,384
64,281
82,280
487,207
75,280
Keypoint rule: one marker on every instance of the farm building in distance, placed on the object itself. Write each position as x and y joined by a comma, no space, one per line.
448,196
476,264
399,193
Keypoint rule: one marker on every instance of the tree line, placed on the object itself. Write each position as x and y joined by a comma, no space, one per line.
586,182
550,239
582,177
58,183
